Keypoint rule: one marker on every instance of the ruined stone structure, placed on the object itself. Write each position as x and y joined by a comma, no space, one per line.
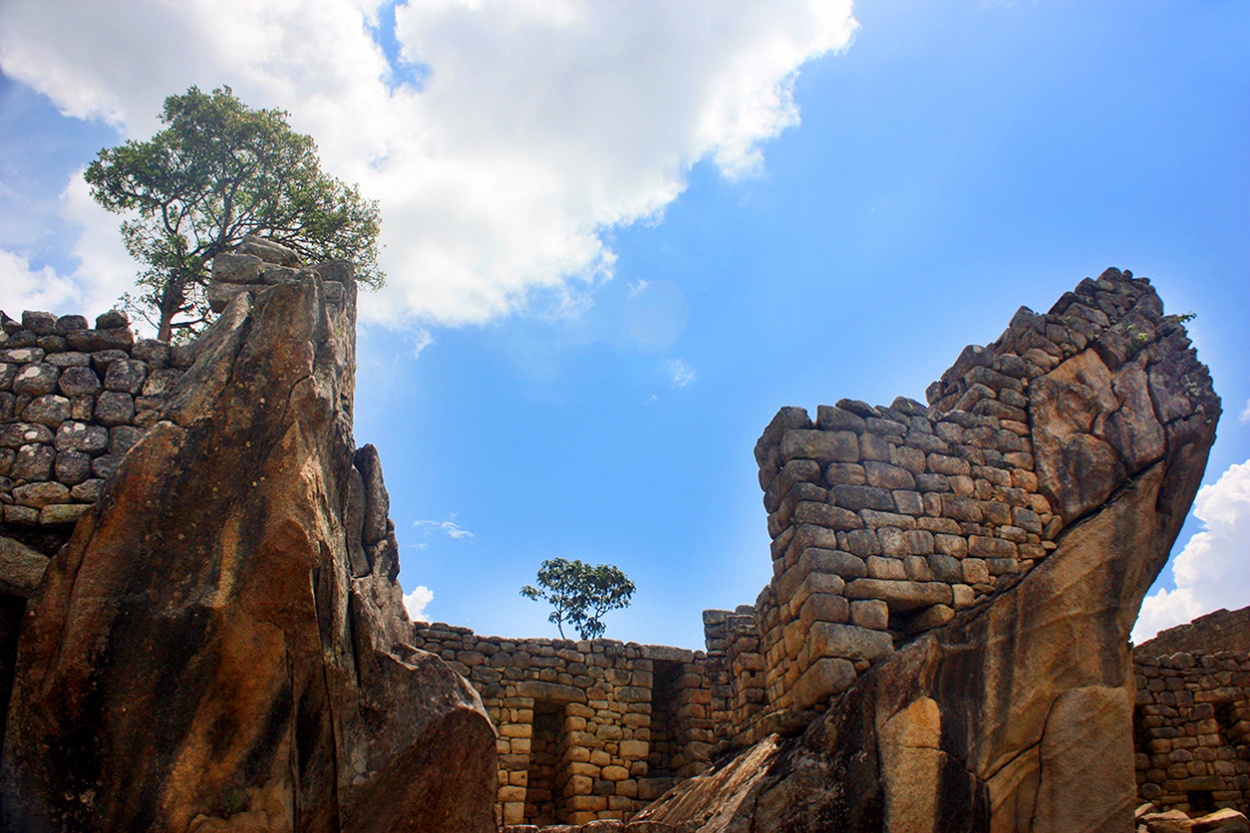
943,644
73,400
1192,723
954,586
1222,630
587,730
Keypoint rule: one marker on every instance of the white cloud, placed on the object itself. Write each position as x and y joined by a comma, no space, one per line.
417,601
103,272
1213,570
450,527
679,373
1244,416
421,338
539,127
23,288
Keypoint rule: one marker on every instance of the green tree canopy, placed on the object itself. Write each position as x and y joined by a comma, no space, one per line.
580,594
220,170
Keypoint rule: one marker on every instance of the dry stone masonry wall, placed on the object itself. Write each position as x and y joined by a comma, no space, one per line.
1192,730
886,523
886,520
73,400
587,730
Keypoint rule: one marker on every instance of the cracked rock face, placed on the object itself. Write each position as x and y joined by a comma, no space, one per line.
218,648
1016,715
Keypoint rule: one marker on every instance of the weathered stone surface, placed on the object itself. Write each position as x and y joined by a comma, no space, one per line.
126,375
36,379
21,568
114,408
80,380
1014,715
50,410
250,682
79,436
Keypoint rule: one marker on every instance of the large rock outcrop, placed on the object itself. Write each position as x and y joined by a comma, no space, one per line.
1016,715
221,646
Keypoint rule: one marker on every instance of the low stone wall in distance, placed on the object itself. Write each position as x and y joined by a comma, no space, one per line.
1222,630
587,730
1192,730
73,399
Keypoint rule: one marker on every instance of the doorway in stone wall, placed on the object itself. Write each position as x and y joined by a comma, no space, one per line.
543,800
664,729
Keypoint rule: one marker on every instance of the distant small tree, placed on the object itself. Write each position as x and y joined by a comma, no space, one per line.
218,171
580,594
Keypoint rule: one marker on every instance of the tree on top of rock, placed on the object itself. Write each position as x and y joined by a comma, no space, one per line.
218,171
580,594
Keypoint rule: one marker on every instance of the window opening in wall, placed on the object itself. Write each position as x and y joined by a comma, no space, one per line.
543,801
1200,801
665,675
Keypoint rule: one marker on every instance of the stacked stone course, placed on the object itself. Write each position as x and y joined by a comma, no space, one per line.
73,400
1221,630
587,730
886,520
1192,730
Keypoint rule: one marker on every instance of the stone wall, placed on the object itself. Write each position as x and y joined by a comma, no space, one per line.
587,730
73,399
1192,730
886,520
1223,630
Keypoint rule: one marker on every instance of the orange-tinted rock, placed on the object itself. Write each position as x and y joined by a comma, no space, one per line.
201,655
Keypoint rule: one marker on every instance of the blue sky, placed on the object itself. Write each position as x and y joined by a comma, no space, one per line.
619,237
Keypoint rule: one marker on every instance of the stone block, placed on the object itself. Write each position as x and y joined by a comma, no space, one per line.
634,750
33,462
862,497
49,409
893,545
901,595
36,379
39,495
824,607
79,381
822,446
836,562
93,341
72,467
79,436
888,475
827,639
908,502
976,571
823,514
824,678
886,568
114,408
870,613
126,376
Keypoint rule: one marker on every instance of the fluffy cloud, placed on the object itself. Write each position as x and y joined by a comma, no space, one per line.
1213,570
536,127
104,269
417,601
